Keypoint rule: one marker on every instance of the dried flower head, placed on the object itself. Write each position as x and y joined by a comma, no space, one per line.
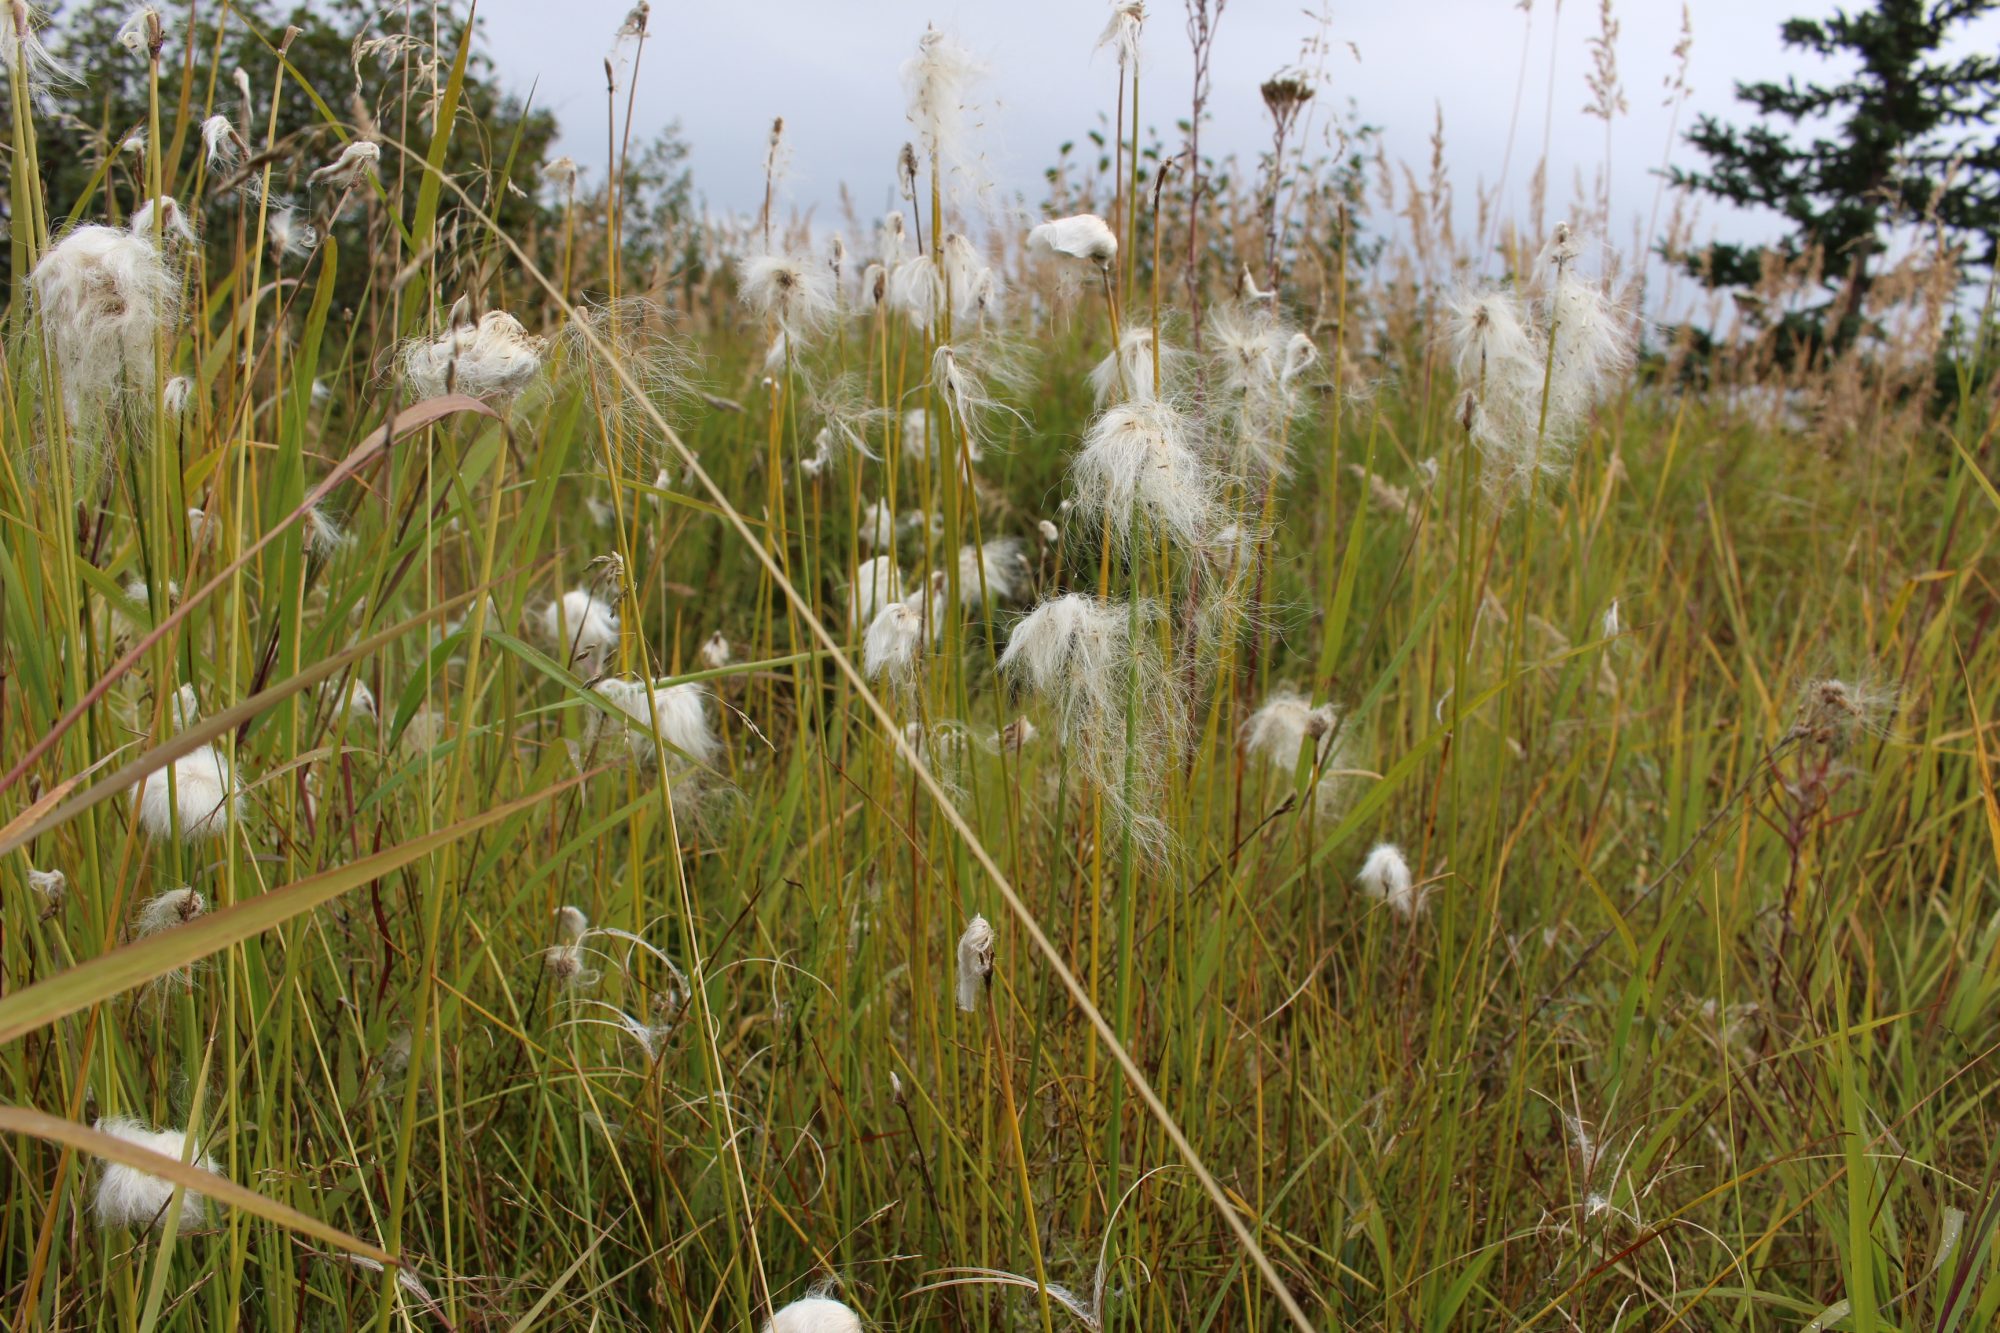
876,584
1084,238
358,160
48,885
796,292
894,643
994,573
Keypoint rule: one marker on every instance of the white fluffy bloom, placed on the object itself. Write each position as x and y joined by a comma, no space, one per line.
975,962
679,713
997,572
1121,33
877,529
493,360
892,240
104,295
714,653
184,708
894,642
1080,654
356,701
289,233
324,538
357,160
1127,375
1609,626
915,288
48,885
164,220
794,291
221,143
199,802
584,628
22,52
1085,238
876,584
1138,461
571,923
562,174
129,1197
1281,728
939,80
164,911
1385,876
814,1314
970,282
174,398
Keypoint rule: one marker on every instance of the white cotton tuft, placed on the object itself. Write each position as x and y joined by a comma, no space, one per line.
493,360
22,52
815,1314
584,628
184,708
104,295
1081,655
356,701
714,653
1609,626
289,233
678,712
199,802
993,573
1126,375
1138,464
357,160
164,911
1385,877
1121,33
794,291
894,643
876,584
1084,238
571,923
48,885
939,80
1280,730
163,220
220,142
129,1197
975,962
174,397
877,531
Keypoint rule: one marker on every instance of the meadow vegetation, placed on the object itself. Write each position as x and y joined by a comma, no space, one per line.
1232,750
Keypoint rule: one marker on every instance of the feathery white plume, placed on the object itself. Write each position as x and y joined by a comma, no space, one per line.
1084,238
174,398
996,572
894,643
1121,33
493,360
679,712
939,80
357,160
876,584
714,654
877,530
22,54
794,291
1385,876
814,1314
164,911
1138,461
48,885
201,803
104,295
975,962
1281,728
129,1197
585,627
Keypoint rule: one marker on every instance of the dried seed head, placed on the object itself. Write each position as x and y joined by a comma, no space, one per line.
975,962
129,1197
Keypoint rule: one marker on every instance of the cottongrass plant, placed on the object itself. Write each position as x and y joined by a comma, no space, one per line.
129,1197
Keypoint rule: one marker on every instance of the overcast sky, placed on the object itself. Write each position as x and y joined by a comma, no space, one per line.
830,68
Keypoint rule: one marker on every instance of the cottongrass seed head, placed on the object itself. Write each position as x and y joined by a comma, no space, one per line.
584,628
1080,654
877,583
975,962
1139,472
129,1197
1084,239
894,644
1385,877
493,360
795,292
678,713
1285,726
104,295
994,573
200,800
814,1314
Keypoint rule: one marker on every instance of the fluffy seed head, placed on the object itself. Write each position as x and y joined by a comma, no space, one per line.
714,654
128,1197
1084,238
48,885
894,643
876,584
975,962
493,360
104,295
679,713
939,80
584,627
794,291
995,572
1385,877
815,1314
356,161
164,911
200,801
1138,463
